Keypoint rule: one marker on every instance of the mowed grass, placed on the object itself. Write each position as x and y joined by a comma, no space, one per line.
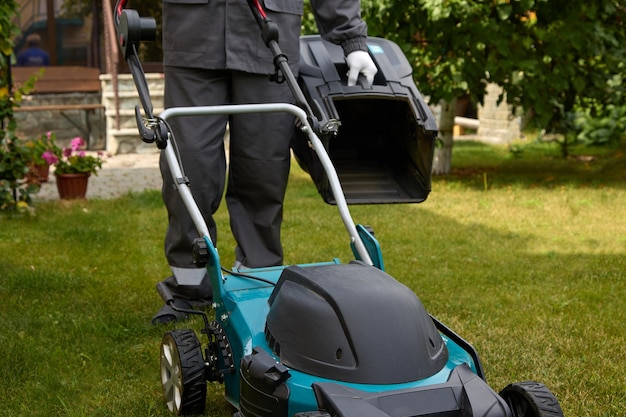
524,256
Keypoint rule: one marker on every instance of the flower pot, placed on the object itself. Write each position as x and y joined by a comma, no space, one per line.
41,172
72,186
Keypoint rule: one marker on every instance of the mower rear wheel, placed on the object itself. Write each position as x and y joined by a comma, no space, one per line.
182,373
531,399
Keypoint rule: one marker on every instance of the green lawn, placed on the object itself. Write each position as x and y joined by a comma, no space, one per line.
523,256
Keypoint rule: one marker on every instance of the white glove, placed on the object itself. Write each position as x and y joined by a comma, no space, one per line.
360,62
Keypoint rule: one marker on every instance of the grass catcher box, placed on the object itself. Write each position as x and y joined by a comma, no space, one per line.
384,147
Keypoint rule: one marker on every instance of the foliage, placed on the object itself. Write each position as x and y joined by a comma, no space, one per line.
15,191
15,157
565,56
546,54
74,159
8,31
603,122
14,160
43,149
8,10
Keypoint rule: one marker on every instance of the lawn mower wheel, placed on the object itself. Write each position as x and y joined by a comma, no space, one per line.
531,399
183,373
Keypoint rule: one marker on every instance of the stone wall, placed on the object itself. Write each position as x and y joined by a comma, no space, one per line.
497,124
101,124
67,124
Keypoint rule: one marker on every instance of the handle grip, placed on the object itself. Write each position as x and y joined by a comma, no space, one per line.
165,293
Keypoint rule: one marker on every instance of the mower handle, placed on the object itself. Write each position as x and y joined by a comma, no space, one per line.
269,33
316,143
165,293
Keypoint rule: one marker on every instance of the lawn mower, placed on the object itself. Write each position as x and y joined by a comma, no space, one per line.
329,338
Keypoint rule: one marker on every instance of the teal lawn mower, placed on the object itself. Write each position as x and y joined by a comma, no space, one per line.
330,338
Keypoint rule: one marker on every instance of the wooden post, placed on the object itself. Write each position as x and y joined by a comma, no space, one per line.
51,33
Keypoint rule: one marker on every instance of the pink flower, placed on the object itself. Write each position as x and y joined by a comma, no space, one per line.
75,159
77,143
50,158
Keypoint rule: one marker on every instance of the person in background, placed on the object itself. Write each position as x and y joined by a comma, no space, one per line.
214,55
33,55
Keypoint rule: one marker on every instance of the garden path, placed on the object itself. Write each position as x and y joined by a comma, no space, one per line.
119,175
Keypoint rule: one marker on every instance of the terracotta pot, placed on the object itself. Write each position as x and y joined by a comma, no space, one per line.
40,172
72,186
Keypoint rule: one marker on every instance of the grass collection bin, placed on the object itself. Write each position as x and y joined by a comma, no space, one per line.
383,149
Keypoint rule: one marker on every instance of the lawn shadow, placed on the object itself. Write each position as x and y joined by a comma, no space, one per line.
482,166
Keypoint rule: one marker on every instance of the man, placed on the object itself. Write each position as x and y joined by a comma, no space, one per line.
214,55
33,55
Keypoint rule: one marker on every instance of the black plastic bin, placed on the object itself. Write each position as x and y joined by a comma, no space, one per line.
384,147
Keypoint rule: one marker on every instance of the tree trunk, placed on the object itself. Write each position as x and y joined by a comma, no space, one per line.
442,163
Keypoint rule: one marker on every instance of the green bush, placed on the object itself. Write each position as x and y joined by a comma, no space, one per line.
603,123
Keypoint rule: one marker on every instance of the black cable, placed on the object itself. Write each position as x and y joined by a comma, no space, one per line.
242,275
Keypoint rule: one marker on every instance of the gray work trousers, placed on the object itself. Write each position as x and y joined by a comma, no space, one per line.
258,166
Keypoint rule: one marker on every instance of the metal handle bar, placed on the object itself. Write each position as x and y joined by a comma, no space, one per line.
301,115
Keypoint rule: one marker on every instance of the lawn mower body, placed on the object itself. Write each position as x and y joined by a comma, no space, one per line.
345,338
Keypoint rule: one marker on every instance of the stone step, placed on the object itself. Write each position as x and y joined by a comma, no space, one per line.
125,82
128,112
127,140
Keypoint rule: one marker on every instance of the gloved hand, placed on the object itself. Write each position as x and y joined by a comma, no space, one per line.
360,62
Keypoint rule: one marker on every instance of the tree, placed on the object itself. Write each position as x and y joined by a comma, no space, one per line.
548,55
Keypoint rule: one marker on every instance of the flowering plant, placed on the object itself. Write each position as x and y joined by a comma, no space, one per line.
45,145
74,160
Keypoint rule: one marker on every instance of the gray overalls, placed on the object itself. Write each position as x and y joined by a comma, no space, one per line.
213,55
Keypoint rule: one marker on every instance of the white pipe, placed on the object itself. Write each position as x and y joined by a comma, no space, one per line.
466,122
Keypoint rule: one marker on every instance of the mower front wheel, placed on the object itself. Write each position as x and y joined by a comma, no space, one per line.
531,399
183,373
